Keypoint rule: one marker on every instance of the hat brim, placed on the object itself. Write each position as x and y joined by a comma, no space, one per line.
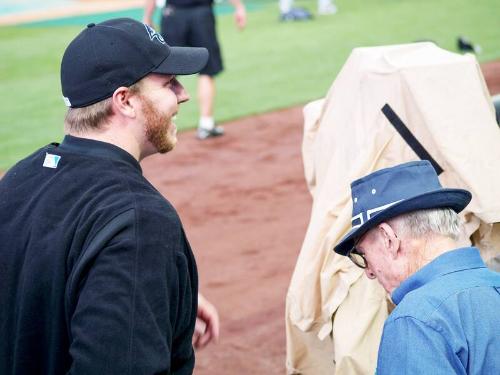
183,60
456,199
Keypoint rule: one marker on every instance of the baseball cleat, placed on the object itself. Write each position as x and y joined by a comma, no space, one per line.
216,131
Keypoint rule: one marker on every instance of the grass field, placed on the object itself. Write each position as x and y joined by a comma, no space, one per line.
269,65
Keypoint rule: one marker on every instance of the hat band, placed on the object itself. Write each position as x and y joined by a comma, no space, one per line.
358,220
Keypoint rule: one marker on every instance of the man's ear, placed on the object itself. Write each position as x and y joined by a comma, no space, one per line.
391,240
124,102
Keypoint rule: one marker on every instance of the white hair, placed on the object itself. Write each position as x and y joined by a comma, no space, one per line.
440,221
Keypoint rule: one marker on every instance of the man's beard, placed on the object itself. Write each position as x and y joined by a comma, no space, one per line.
157,127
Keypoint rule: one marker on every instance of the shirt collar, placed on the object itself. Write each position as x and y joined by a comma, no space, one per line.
98,149
449,262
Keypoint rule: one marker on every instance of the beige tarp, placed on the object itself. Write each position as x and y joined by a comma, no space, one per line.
334,314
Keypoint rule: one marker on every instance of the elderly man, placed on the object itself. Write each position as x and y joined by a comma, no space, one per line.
96,273
405,233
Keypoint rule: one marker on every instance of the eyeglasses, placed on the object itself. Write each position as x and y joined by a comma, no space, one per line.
357,258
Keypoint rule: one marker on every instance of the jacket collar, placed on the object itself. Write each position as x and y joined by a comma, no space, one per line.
98,149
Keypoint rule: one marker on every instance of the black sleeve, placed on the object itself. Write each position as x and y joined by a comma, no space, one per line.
131,299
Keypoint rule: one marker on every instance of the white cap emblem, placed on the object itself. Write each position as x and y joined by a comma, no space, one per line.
154,35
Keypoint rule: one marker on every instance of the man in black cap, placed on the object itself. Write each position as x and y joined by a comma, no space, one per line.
96,273
406,234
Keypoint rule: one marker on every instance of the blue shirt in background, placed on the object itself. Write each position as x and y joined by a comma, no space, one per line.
447,319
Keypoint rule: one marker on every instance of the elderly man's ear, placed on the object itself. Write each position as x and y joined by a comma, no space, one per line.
390,239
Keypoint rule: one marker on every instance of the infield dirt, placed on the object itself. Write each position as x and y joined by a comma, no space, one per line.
245,207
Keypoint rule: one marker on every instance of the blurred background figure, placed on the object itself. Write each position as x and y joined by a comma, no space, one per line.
190,23
465,45
290,13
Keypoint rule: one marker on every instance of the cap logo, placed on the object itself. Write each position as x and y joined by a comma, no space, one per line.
153,34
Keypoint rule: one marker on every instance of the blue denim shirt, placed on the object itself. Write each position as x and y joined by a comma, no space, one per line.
447,319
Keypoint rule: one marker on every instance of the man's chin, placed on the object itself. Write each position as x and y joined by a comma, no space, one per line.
167,146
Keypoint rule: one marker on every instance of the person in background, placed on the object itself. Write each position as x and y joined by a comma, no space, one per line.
289,13
405,233
192,23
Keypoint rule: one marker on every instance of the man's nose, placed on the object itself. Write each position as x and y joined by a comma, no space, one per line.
182,95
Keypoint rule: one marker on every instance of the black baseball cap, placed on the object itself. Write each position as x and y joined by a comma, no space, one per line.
119,52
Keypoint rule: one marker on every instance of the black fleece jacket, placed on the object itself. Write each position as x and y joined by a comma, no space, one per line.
96,273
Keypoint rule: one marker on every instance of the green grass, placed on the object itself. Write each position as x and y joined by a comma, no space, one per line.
269,65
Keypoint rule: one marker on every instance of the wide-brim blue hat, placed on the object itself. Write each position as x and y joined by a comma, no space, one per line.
390,192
